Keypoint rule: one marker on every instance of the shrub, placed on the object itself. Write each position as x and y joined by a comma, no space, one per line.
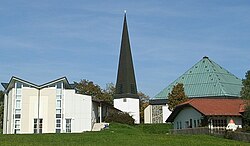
120,117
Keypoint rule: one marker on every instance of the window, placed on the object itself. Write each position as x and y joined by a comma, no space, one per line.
58,111
58,104
180,125
18,85
58,125
124,99
18,111
58,96
191,124
17,126
177,125
38,125
195,123
18,104
68,125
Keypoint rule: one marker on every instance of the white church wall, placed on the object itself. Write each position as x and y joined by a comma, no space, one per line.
129,105
165,113
148,114
78,108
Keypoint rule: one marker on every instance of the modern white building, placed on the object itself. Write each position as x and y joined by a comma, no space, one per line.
53,107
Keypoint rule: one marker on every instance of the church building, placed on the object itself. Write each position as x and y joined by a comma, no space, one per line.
206,79
126,98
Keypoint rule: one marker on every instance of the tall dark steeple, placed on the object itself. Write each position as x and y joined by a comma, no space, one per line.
126,83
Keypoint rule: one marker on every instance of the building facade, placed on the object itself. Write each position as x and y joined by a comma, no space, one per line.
214,113
53,107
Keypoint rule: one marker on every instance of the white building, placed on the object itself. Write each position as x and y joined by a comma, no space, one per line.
214,113
53,107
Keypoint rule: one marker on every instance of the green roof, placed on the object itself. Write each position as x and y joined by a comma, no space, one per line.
206,79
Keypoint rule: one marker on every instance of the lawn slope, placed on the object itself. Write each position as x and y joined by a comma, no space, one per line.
119,134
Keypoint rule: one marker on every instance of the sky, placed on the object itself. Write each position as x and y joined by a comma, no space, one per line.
44,40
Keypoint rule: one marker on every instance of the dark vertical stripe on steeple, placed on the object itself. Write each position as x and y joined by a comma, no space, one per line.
125,84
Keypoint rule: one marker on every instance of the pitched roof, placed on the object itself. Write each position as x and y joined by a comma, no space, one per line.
211,107
206,79
126,83
13,79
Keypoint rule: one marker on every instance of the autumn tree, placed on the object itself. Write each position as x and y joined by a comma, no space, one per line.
144,102
89,88
176,96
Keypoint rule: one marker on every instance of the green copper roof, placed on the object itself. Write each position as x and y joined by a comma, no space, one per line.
126,83
206,79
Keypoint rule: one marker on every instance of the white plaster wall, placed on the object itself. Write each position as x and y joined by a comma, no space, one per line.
47,109
5,114
131,106
186,114
165,113
78,108
148,114
29,109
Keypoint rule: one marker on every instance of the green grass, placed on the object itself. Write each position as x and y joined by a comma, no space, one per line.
119,134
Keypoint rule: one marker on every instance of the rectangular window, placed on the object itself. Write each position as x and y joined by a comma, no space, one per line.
17,116
124,99
17,127
58,111
191,124
180,126
38,125
68,125
58,104
194,123
18,104
58,116
18,85
18,111
58,130
58,96
58,91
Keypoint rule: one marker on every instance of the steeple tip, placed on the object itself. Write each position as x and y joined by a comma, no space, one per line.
205,57
125,11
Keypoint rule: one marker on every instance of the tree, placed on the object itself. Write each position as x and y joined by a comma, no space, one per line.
245,91
176,96
245,94
144,102
89,88
1,108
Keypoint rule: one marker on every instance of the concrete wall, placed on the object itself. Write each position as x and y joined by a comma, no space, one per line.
129,105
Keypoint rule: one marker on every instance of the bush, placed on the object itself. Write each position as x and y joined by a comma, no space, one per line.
120,117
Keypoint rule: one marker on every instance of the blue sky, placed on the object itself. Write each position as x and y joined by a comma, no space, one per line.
44,40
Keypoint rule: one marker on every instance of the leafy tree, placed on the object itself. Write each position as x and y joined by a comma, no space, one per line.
245,94
89,88
1,114
176,96
1,96
1,108
144,102
245,91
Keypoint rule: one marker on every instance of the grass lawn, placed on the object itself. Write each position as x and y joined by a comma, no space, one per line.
119,134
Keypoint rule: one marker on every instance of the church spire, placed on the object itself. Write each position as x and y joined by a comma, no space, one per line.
126,83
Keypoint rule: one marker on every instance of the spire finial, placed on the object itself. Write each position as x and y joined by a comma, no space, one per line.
125,11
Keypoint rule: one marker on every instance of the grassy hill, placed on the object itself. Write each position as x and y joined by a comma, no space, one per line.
119,134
